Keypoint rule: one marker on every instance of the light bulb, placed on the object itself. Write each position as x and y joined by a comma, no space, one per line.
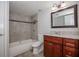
54,8
63,4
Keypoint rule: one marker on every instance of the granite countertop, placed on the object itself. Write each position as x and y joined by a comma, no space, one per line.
65,36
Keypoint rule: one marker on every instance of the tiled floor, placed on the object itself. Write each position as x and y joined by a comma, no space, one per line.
30,54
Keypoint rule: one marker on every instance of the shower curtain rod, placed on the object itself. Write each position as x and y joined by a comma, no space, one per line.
20,21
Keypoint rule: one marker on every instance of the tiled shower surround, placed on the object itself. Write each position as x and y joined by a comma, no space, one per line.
19,31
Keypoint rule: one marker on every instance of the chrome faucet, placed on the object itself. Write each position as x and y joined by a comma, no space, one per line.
58,33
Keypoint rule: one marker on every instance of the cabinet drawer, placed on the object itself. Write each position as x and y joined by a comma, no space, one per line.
70,42
51,44
70,52
53,39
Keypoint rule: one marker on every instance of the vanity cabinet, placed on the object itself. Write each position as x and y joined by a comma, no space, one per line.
70,47
52,47
58,47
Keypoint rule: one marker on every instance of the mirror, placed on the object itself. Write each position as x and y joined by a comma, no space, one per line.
64,18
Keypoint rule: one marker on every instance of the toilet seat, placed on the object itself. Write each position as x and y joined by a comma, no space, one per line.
36,44
37,47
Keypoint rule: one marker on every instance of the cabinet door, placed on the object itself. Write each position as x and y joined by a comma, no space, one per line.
52,50
57,50
70,52
48,52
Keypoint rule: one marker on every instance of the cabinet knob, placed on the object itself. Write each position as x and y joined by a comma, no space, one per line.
50,43
67,56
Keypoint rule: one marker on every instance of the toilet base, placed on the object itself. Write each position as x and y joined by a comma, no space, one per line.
37,50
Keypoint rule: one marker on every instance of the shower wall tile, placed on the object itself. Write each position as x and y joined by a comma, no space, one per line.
15,16
19,31
34,28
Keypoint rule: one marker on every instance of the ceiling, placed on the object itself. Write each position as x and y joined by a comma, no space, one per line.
28,8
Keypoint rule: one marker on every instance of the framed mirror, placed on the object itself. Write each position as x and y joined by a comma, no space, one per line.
65,18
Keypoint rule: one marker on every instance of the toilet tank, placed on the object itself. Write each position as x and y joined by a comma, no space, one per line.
40,37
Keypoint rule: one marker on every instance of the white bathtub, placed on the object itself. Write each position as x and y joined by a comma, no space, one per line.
19,47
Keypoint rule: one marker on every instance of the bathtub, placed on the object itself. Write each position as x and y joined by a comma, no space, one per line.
20,47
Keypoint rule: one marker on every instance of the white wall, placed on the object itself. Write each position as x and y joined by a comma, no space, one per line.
4,17
44,22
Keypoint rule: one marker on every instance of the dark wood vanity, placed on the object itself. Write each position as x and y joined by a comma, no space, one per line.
60,47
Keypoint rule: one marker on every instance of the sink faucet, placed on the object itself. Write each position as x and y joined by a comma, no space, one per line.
58,33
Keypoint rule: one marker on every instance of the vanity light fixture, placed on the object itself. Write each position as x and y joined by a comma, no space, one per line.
63,4
54,7
58,6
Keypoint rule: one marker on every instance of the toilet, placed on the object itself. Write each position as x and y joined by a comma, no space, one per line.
37,47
